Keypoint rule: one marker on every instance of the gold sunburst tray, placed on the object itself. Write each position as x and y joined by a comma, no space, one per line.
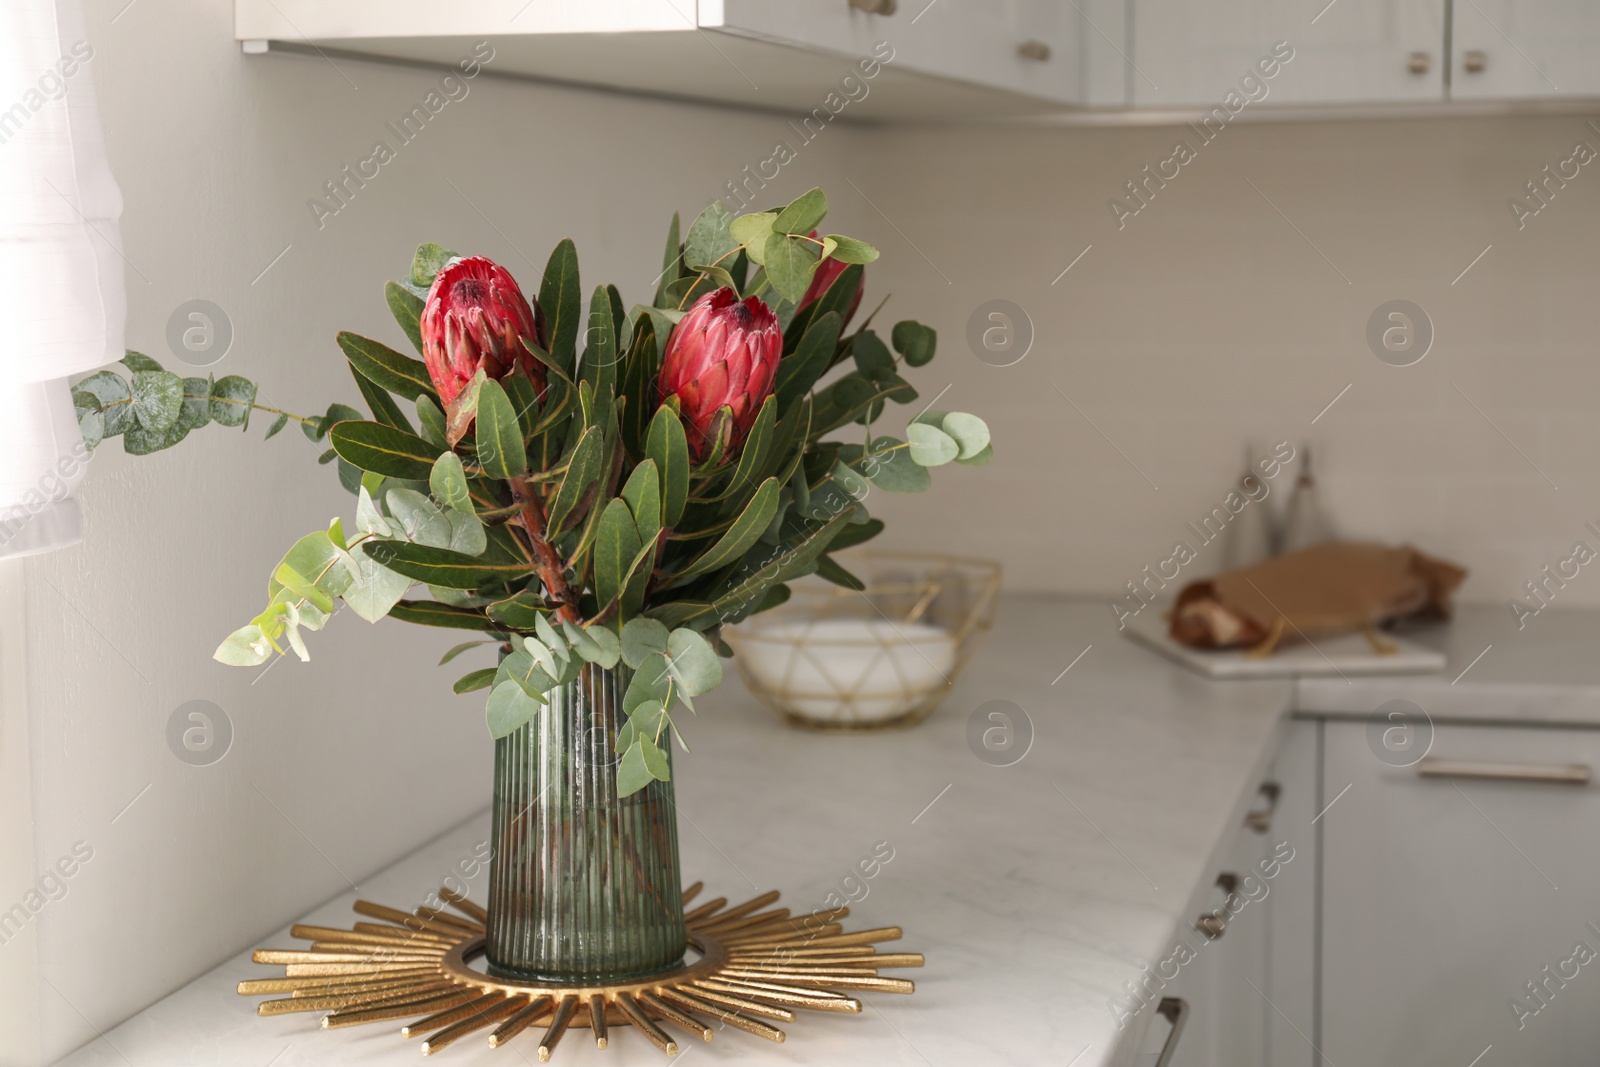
750,964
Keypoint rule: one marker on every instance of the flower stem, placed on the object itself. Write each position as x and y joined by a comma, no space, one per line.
546,560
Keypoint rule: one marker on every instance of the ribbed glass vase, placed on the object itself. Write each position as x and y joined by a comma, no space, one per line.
584,884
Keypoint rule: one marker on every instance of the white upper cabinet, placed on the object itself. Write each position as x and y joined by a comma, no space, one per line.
952,59
912,58
1201,53
1028,47
1526,49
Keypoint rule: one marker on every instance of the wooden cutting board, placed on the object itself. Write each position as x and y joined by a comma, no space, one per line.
1346,654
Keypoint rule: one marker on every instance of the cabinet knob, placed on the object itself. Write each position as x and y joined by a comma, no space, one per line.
1213,924
1419,62
1474,61
1035,50
874,7
1260,819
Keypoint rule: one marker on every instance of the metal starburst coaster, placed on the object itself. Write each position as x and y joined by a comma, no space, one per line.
749,963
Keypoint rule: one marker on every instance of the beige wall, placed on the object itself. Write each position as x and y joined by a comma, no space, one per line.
1208,320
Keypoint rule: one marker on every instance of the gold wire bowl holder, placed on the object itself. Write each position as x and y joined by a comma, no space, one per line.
839,659
751,963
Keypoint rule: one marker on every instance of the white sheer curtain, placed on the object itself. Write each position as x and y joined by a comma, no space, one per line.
60,265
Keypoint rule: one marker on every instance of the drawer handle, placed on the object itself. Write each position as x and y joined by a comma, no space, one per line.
1176,1011
1260,820
1035,50
874,7
1475,61
1559,773
1213,924
1419,62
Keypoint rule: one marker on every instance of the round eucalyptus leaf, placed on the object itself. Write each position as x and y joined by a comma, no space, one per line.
931,446
969,431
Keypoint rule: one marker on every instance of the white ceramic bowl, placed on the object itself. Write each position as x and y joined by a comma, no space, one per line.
841,659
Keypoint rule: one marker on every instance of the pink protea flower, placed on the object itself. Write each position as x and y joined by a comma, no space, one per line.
827,272
475,319
724,353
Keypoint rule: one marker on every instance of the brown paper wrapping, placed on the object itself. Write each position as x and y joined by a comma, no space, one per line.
1337,587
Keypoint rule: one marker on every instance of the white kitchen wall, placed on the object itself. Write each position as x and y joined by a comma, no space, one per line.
338,766
1233,306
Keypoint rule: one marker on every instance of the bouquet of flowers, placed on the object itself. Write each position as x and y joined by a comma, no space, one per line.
590,485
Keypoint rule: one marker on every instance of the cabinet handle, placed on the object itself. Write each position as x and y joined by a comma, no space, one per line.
874,7
1176,1011
1419,62
1475,61
1560,773
1260,820
1213,924
1035,50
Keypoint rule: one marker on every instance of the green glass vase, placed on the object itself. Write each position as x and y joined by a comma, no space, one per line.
584,885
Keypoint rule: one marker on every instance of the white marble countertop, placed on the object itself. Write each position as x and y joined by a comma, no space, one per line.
1035,889
1546,671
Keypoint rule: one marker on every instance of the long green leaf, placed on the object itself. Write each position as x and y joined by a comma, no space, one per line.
382,365
752,521
670,261
678,612
561,297
855,534
440,566
643,496
615,547
433,613
789,440
799,370
637,384
838,298
384,450
599,367
406,307
583,470
753,457
755,578
472,681
380,402
636,580
667,444
830,569
521,611
499,434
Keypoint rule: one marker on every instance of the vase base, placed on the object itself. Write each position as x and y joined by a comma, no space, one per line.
494,973
752,963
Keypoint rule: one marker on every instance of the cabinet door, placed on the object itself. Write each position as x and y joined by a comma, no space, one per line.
1457,911
1023,46
1291,909
1191,53
1225,983
1526,49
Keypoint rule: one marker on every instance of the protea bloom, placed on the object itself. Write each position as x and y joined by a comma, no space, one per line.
475,319
724,353
827,272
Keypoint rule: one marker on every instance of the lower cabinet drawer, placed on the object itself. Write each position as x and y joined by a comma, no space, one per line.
1461,895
